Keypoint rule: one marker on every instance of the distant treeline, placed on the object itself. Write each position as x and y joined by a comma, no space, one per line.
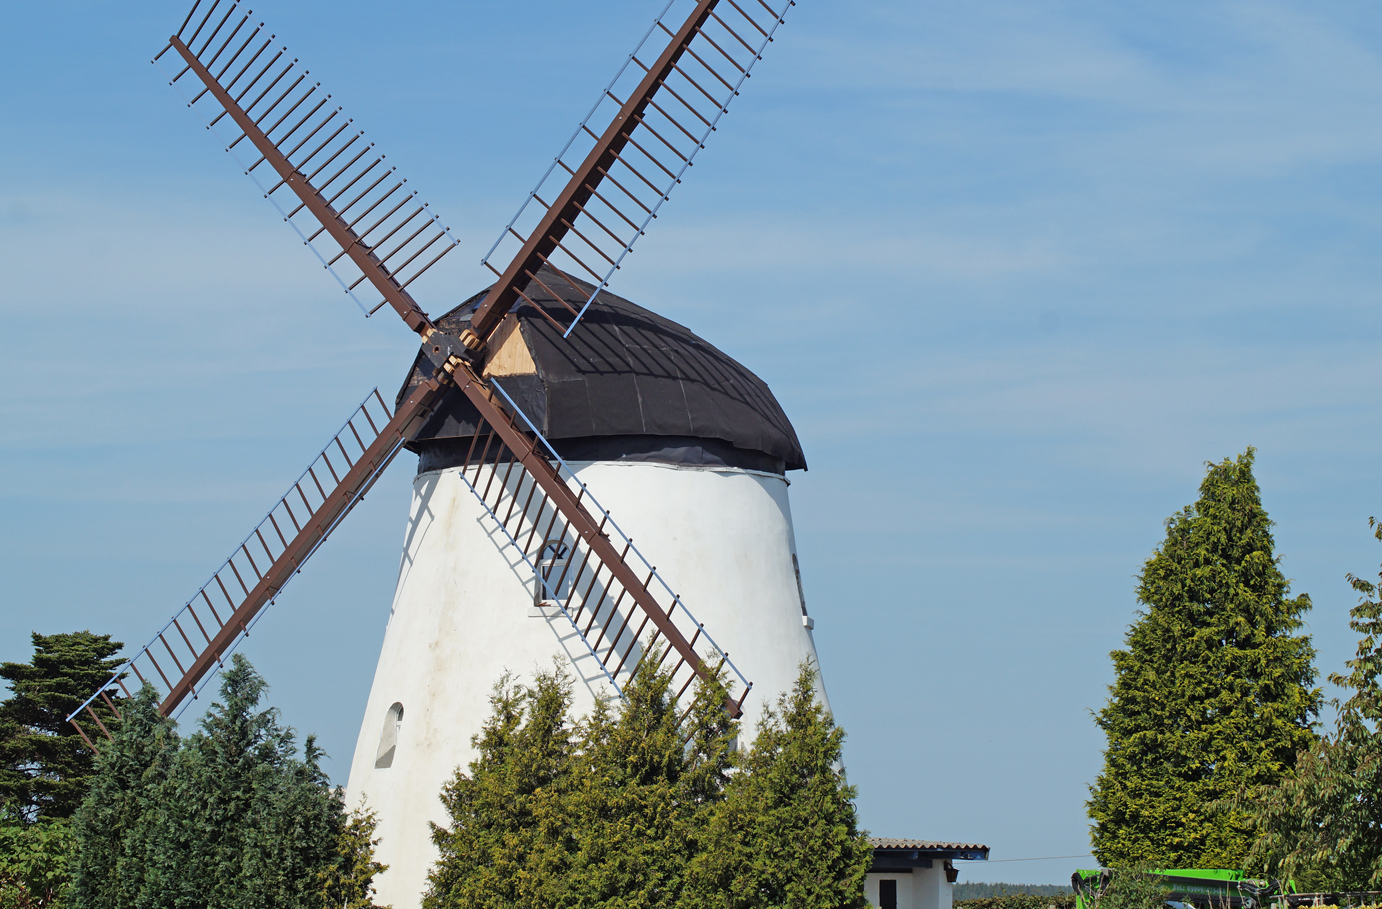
1020,900
980,890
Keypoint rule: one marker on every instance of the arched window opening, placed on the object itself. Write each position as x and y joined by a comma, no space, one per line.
388,739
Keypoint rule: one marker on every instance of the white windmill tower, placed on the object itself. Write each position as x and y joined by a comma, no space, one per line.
552,419
669,434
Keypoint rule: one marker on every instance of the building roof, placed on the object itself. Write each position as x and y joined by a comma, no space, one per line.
909,852
625,373
883,842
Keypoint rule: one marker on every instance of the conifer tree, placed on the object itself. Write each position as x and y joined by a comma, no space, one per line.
45,766
712,757
642,804
245,823
1213,692
1322,827
509,839
118,825
787,833
348,882
645,785
230,818
604,812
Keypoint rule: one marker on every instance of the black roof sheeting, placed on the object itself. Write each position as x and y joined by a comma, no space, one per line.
625,371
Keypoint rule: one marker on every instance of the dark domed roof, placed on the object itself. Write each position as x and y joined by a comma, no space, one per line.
628,384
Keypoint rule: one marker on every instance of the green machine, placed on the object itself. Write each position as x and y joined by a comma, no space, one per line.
1203,888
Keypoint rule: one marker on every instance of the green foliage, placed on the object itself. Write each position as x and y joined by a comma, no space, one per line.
248,824
45,766
1213,692
1020,900
787,833
229,817
1133,889
630,808
348,882
973,890
601,813
506,845
641,797
117,823
1323,826
34,860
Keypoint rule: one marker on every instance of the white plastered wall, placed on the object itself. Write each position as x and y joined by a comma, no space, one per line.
462,615
922,888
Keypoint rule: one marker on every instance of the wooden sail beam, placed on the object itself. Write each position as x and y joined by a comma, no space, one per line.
584,182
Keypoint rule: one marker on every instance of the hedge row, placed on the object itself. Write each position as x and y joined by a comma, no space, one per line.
1020,901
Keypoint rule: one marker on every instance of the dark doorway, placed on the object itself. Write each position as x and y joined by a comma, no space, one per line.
887,895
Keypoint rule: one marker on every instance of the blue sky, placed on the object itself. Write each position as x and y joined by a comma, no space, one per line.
1015,270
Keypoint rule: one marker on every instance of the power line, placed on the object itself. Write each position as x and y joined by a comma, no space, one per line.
1044,858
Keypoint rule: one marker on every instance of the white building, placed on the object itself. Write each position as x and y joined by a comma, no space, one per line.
916,874
689,452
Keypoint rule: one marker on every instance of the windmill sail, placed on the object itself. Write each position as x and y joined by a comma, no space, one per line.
218,616
607,184
308,145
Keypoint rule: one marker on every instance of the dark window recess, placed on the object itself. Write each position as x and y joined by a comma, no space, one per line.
801,593
554,579
887,895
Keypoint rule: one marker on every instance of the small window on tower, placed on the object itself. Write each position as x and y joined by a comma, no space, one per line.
388,739
553,582
887,895
801,594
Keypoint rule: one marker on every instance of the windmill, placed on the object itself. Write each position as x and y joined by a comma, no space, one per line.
524,403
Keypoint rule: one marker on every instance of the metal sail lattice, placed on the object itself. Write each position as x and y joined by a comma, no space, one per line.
213,622
324,147
627,191
613,629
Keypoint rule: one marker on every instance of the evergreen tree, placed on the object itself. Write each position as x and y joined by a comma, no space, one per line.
348,882
45,766
641,805
604,813
509,840
712,760
1322,827
625,805
787,833
229,818
1213,693
245,823
117,826
645,786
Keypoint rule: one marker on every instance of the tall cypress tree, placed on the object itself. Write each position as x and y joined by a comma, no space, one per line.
348,882
1213,693
45,766
245,822
787,832
646,783
501,848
